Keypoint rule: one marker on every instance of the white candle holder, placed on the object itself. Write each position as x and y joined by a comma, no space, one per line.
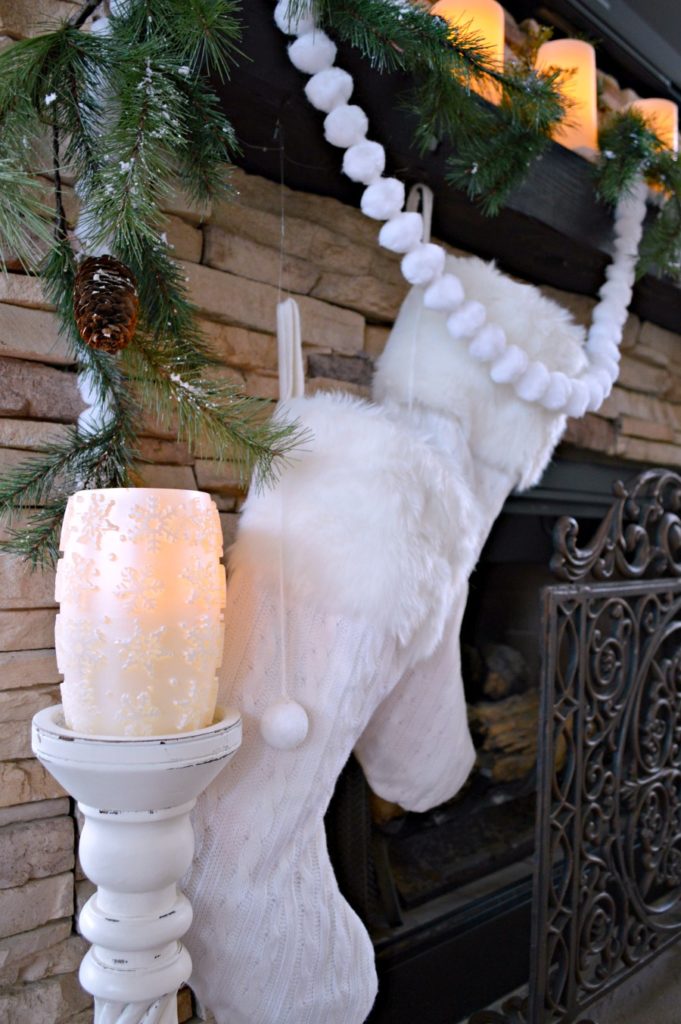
137,842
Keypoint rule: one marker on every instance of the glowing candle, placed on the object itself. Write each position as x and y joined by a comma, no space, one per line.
141,592
484,19
663,118
579,129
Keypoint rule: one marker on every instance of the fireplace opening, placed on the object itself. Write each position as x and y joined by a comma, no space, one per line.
446,894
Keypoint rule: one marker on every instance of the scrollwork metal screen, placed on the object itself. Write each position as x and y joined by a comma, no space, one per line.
608,882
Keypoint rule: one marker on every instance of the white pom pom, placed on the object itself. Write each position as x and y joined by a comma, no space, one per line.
329,88
488,343
423,263
510,365
312,52
602,337
611,366
444,294
467,320
578,400
558,392
345,126
596,393
401,233
604,313
533,383
292,25
284,725
384,199
364,162
618,292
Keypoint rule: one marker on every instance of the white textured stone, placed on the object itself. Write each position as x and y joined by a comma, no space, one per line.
35,849
35,903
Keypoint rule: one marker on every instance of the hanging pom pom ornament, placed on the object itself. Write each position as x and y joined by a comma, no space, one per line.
284,724
105,303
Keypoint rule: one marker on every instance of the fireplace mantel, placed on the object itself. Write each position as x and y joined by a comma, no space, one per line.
553,231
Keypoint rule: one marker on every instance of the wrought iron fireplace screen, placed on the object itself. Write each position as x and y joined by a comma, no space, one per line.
607,893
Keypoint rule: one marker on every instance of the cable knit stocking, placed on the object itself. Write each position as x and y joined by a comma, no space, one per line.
386,512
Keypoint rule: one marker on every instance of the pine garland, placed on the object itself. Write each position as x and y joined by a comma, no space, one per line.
130,115
630,149
493,145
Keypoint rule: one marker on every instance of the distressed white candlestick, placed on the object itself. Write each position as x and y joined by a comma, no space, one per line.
136,796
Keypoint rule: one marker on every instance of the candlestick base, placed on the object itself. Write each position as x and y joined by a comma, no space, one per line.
137,842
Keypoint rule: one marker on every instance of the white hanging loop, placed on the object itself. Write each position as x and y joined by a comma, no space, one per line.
290,351
421,195
284,724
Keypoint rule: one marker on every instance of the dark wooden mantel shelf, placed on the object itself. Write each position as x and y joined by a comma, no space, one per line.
553,231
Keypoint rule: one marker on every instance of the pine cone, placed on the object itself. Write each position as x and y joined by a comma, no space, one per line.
105,303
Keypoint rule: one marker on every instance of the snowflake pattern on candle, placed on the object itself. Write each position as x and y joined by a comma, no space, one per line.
188,711
154,523
91,522
143,650
141,587
200,644
137,713
79,645
75,580
204,527
205,584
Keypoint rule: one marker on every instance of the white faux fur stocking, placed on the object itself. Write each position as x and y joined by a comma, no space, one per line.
386,512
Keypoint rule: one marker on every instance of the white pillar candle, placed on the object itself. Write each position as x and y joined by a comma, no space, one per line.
579,129
140,628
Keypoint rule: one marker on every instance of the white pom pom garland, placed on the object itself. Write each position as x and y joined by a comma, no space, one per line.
312,52
488,344
467,320
384,199
284,725
558,392
345,126
444,294
424,263
364,162
329,90
578,400
509,366
532,385
402,233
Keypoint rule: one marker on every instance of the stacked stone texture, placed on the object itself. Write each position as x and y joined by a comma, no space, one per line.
349,293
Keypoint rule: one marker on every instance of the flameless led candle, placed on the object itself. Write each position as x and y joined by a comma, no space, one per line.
485,20
140,628
663,117
579,130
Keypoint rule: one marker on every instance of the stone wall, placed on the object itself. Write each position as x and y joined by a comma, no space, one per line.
349,293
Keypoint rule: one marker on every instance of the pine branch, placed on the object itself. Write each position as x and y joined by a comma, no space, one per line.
631,149
494,144
23,217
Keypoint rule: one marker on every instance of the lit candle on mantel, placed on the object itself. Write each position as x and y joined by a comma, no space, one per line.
579,129
662,117
140,625
483,19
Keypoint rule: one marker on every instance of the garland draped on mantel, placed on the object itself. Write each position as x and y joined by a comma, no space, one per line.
423,263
